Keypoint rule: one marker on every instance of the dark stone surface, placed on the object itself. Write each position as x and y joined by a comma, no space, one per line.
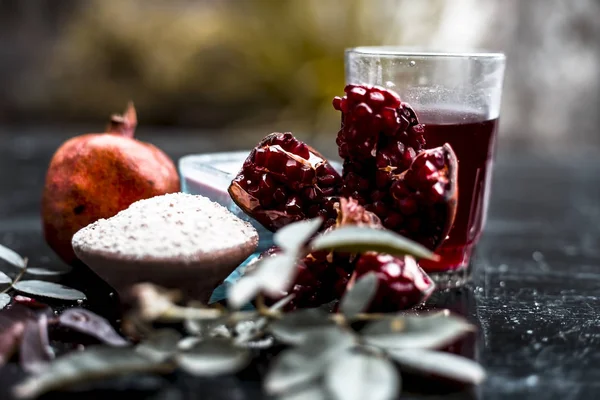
534,295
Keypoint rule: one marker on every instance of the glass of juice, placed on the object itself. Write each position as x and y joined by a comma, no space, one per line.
456,97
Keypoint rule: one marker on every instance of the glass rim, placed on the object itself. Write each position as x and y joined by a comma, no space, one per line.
399,51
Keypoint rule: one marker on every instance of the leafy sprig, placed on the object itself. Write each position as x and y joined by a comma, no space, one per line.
327,355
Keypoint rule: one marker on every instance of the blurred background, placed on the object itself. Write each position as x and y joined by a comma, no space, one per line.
250,67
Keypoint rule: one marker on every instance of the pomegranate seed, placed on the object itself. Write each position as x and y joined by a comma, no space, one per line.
378,195
260,157
402,284
307,175
393,220
344,105
382,179
376,99
380,209
337,102
399,190
363,110
357,94
326,180
276,160
414,224
407,206
391,99
310,195
328,191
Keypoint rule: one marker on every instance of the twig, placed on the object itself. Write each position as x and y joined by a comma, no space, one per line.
18,277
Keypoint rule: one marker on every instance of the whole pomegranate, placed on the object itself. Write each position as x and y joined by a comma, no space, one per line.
413,191
96,175
284,180
402,284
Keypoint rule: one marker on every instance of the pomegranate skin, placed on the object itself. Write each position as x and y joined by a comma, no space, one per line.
96,175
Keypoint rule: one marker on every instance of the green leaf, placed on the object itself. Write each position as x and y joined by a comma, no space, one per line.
44,274
276,273
358,376
213,357
293,237
160,346
4,300
303,364
296,326
439,365
359,297
49,289
12,257
271,275
359,239
5,280
416,332
95,363
243,291
91,324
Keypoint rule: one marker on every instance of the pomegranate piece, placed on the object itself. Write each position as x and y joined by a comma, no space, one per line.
377,127
402,284
284,180
413,191
322,276
424,197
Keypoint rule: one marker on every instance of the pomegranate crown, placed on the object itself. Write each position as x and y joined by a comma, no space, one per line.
124,124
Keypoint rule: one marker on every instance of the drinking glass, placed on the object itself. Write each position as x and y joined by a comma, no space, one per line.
456,96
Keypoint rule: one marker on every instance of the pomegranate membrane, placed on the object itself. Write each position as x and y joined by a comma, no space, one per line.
473,141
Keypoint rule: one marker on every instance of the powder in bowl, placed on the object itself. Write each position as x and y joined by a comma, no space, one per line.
175,240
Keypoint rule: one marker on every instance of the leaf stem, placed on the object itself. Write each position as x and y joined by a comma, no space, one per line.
18,277
178,313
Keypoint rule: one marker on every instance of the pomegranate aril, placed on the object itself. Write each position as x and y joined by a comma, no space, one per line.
393,220
376,99
363,110
260,157
380,209
311,195
378,195
356,93
401,283
337,103
276,160
383,179
407,206
327,180
329,191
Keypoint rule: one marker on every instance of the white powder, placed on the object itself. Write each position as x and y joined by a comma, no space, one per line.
178,227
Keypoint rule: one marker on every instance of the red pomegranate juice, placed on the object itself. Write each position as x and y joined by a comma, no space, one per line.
473,140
